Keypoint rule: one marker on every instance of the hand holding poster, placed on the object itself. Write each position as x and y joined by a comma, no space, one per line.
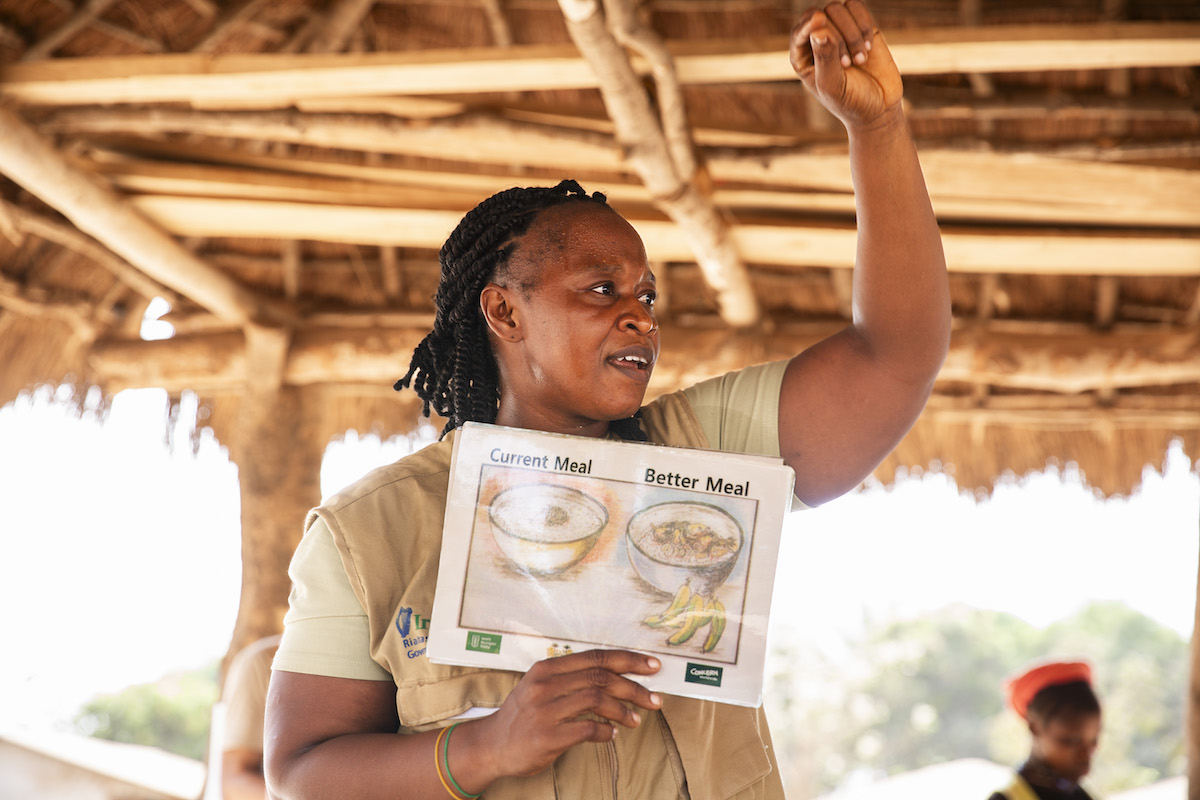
556,544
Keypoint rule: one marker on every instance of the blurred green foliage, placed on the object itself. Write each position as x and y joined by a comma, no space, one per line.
924,691
904,695
172,713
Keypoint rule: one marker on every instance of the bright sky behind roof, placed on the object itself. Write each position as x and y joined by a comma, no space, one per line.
122,563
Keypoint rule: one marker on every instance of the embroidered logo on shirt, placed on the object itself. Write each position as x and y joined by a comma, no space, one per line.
404,620
408,622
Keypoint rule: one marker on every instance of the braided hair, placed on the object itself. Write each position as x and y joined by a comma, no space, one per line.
453,369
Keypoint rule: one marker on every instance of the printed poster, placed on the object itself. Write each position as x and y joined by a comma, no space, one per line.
556,544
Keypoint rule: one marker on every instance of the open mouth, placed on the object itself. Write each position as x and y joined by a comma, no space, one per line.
637,362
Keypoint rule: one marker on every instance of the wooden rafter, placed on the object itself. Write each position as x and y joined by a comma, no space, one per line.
270,78
1014,250
639,39
79,314
926,103
1011,187
231,18
81,19
478,138
656,146
26,221
497,23
97,210
1059,360
340,24
1027,190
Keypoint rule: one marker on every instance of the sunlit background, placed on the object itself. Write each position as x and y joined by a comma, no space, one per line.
122,566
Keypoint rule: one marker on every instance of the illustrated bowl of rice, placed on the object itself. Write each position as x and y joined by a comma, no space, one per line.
546,528
671,544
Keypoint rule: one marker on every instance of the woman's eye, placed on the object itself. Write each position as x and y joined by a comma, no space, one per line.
604,288
649,297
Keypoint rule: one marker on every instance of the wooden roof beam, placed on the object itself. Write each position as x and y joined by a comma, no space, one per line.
340,24
80,20
80,315
99,211
271,78
1146,202
1068,360
926,102
227,22
1088,416
1007,250
29,222
967,184
660,148
498,23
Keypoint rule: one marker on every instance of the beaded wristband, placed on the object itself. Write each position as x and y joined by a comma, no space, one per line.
446,760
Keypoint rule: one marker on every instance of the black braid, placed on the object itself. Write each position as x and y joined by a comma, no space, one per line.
453,369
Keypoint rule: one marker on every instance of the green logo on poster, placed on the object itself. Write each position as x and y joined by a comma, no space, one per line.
703,673
483,642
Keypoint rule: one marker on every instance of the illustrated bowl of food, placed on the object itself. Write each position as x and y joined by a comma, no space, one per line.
677,543
546,528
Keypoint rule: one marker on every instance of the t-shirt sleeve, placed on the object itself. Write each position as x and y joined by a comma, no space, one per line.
245,696
739,411
325,630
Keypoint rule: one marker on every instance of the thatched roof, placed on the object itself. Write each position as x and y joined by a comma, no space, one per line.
282,173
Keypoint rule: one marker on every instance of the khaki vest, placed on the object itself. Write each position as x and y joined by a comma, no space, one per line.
388,530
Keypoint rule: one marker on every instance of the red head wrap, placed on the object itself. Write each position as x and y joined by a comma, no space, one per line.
1023,688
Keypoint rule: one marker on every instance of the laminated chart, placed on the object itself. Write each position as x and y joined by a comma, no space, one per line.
555,544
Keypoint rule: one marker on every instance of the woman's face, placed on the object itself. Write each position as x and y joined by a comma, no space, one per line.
577,345
1065,743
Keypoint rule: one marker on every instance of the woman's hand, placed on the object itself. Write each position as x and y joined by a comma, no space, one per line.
552,709
842,58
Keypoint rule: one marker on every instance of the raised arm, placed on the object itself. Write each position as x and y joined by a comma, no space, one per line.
848,400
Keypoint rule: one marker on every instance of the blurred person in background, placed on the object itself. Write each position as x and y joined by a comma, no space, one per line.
1060,706
244,701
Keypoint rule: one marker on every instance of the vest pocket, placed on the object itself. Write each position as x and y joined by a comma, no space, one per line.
442,692
722,751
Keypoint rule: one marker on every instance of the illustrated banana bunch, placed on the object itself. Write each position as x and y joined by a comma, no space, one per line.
687,614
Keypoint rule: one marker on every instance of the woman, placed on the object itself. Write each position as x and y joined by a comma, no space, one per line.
1059,704
545,321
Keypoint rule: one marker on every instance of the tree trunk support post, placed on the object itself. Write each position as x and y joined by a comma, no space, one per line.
278,455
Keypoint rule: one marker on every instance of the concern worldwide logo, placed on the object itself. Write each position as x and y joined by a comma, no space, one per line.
703,673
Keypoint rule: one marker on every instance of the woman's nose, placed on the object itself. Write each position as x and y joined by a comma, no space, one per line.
641,319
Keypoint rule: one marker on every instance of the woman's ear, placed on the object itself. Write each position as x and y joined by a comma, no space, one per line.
498,312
